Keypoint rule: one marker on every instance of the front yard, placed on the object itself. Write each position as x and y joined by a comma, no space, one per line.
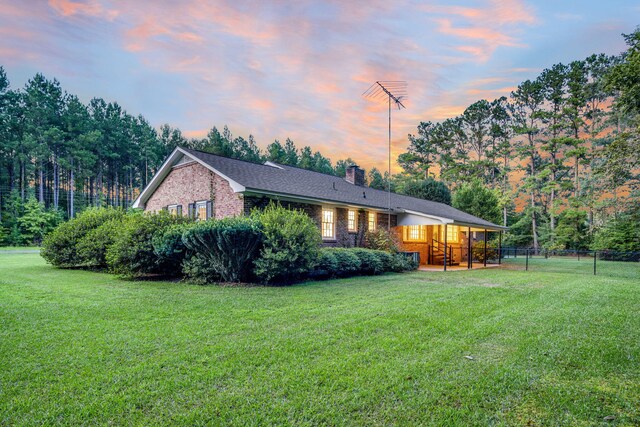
485,347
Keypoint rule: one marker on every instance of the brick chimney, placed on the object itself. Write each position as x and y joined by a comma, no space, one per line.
355,175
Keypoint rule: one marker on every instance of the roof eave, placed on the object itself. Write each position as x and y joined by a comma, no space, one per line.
164,170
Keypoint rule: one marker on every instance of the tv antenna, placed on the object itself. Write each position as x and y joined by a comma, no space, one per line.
390,91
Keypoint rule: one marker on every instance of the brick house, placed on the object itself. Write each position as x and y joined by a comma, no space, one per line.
204,185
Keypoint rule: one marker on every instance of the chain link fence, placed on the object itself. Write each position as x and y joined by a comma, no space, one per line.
606,263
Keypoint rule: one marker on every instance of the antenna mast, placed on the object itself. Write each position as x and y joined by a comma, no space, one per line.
390,91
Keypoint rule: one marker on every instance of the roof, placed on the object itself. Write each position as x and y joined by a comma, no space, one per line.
292,182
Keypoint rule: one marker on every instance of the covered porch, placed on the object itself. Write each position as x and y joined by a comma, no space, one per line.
446,244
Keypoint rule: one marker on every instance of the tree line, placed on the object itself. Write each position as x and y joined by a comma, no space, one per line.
59,155
565,144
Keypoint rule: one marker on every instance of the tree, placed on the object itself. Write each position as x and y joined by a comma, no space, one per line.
342,165
526,112
422,151
37,221
572,231
376,180
620,234
427,189
476,199
276,153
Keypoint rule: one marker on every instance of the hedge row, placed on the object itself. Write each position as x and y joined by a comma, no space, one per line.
275,245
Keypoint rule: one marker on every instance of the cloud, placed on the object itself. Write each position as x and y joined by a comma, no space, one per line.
495,25
279,69
88,8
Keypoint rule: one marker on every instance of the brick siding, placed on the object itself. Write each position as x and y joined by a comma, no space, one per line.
192,182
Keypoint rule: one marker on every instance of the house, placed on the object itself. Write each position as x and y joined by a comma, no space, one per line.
204,185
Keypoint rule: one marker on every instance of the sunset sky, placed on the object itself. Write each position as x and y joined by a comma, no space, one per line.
298,69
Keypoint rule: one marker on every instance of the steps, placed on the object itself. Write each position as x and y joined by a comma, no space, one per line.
438,259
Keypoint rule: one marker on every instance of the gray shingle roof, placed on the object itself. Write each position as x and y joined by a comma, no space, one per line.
291,181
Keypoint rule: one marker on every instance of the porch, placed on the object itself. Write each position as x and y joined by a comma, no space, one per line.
450,246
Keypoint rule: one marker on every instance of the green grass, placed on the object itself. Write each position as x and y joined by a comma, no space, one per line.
19,248
548,349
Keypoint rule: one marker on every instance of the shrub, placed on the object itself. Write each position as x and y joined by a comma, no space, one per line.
387,260
169,248
290,247
477,251
327,264
347,262
198,270
343,262
60,246
91,250
402,262
226,246
381,240
132,253
370,260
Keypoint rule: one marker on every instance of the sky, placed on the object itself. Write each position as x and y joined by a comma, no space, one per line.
298,69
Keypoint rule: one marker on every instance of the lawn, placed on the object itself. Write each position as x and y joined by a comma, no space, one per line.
484,347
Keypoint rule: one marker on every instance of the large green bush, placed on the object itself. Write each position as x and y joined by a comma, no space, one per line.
290,247
132,254
371,261
347,262
60,246
225,247
91,250
169,248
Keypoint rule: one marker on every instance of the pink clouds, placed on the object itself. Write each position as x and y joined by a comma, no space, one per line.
278,69
487,28
89,8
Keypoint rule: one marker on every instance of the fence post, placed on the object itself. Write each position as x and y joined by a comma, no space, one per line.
526,268
500,248
595,257
578,252
485,247
469,249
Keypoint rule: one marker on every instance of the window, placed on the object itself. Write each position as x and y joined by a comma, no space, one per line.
452,233
200,211
328,224
174,210
415,233
372,221
352,220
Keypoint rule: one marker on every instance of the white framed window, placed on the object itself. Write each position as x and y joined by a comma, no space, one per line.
453,235
201,211
352,220
415,233
328,223
373,221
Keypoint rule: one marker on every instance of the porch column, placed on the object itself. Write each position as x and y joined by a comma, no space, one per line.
500,248
445,247
485,247
469,255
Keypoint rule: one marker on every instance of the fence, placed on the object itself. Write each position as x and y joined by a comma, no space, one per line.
609,263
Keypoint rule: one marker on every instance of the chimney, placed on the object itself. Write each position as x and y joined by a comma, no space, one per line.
355,175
